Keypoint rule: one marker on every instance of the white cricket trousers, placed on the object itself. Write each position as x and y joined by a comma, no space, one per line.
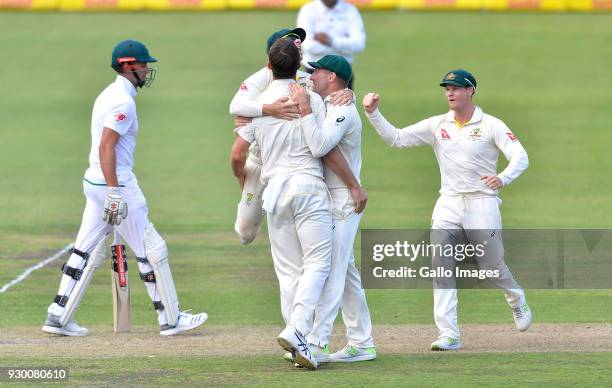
131,229
343,286
94,229
250,212
300,230
471,216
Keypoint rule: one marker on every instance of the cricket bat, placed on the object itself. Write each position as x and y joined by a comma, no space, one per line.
122,315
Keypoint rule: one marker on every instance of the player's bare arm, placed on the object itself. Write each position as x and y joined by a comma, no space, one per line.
238,158
108,160
335,161
115,208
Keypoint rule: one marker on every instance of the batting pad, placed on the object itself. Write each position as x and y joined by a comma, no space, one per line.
78,291
157,254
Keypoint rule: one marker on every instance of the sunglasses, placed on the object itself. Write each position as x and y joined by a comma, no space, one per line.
292,35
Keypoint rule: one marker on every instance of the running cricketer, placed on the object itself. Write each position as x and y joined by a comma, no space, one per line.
111,188
467,143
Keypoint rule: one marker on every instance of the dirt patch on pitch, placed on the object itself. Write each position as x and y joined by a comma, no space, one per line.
257,340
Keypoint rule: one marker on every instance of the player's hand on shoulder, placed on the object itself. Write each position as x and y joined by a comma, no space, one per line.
371,102
492,181
300,96
115,207
360,197
283,108
342,97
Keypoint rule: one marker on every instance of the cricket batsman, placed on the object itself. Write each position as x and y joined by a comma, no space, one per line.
467,143
115,202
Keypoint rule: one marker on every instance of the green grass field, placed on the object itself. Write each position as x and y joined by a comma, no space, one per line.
545,75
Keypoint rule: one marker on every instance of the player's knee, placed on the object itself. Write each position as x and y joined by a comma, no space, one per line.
155,246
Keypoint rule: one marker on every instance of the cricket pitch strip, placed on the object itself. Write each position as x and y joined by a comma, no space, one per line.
211,340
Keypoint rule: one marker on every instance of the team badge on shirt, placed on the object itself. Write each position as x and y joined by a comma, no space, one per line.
243,87
476,133
444,134
511,136
120,117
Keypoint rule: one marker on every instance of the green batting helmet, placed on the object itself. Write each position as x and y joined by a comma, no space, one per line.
130,51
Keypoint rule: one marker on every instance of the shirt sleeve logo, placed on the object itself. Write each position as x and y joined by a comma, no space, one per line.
511,136
120,117
444,134
243,87
340,119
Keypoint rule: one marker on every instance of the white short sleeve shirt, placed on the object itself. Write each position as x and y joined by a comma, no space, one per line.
114,108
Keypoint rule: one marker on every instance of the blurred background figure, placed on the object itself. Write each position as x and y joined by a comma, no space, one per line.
333,27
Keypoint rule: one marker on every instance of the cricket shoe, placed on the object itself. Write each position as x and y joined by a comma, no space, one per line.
522,316
353,354
71,329
321,354
446,343
294,342
186,321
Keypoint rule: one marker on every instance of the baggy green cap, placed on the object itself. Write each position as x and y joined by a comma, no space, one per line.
297,32
459,77
131,51
336,63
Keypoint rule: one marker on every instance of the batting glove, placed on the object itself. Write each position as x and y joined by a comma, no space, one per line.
115,208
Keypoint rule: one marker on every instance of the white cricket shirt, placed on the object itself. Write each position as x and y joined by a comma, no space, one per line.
245,101
342,23
114,108
341,127
464,154
284,149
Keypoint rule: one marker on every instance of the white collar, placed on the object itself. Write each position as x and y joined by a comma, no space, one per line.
284,81
126,85
476,116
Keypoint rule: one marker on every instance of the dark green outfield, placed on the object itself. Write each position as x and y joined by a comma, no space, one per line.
546,76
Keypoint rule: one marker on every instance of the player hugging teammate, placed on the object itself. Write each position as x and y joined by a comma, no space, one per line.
312,248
